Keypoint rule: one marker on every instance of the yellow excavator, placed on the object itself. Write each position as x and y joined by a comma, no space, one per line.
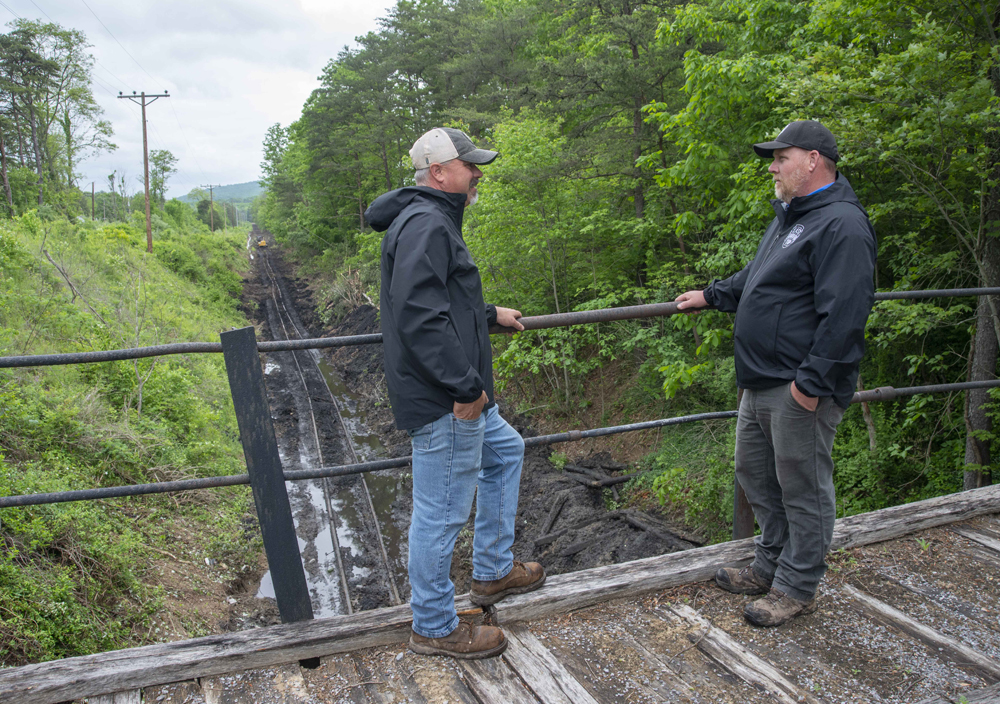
262,243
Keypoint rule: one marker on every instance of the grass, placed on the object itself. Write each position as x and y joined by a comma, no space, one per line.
75,578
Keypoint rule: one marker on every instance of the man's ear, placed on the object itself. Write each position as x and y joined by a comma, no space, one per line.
436,172
814,160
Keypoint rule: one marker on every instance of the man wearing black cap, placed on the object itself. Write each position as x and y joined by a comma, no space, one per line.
439,371
801,307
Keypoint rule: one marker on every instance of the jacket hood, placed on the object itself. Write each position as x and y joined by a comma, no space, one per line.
388,206
840,191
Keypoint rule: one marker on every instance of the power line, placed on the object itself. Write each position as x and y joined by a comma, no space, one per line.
42,11
176,116
184,135
105,69
116,39
10,10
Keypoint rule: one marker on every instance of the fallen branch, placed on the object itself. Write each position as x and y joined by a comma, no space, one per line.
73,288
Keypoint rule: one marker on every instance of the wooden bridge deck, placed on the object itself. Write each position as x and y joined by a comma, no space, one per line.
910,612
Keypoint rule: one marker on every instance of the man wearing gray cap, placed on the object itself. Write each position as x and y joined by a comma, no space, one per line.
801,307
439,371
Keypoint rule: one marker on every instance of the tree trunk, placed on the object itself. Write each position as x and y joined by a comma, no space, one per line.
983,368
3,172
38,153
639,194
985,342
68,133
385,167
17,130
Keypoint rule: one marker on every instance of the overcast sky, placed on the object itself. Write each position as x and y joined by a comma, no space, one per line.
232,67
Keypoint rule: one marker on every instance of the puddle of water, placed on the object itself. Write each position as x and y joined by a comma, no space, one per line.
383,486
367,445
266,588
321,572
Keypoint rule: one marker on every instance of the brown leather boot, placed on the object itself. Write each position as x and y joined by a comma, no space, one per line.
468,642
523,577
744,581
777,608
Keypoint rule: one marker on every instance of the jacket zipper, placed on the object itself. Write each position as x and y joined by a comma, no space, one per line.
765,260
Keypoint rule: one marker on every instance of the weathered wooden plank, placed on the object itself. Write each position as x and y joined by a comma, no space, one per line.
91,675
433,680
493,682
981,538
578,590
944,599
963,655
376,683
743,663
982,555
541,671
119,670
986,695
177,693
667,677
133,696
344,673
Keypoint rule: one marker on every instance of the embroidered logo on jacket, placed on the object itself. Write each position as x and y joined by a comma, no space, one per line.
792,236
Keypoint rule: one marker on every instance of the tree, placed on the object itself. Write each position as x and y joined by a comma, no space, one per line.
161,168
28,76
50,118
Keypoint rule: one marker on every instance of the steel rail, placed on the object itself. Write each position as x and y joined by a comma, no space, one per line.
882,393
536,322
279,306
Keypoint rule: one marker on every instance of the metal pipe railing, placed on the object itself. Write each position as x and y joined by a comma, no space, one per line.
536,322
883,393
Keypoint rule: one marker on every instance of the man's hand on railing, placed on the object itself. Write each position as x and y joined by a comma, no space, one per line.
691,301
508,317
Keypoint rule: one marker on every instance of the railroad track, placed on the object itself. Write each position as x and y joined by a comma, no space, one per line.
334,492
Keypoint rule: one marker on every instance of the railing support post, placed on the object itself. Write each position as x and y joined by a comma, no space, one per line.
253,414
743,520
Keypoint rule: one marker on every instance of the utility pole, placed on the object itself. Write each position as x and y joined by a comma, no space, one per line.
144,100
92,200
211,208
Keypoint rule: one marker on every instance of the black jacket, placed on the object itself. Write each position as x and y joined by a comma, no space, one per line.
435,326
802,303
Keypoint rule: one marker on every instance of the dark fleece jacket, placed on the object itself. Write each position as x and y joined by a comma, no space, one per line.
435,325
801,305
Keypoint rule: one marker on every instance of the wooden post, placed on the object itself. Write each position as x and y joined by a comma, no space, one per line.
743,520
253,415
143,100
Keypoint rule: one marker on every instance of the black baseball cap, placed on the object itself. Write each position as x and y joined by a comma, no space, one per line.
443,144
804,134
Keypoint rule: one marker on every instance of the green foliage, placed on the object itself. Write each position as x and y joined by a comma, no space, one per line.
626,176
73,576
50,118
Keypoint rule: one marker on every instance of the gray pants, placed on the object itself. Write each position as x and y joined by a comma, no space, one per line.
783,463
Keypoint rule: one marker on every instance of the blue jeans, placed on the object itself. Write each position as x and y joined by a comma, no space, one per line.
452,458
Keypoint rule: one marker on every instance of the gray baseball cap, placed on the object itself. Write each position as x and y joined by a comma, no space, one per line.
443,144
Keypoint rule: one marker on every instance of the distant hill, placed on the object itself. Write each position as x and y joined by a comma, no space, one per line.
235,192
